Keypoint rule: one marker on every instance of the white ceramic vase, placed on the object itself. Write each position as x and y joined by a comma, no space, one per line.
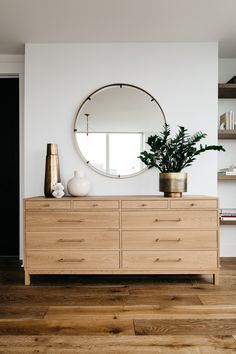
79,185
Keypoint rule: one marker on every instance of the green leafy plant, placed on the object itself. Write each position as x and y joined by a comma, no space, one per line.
174,154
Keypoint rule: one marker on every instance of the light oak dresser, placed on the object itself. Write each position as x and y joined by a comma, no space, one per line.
121,235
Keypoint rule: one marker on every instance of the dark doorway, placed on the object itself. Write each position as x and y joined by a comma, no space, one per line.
9,147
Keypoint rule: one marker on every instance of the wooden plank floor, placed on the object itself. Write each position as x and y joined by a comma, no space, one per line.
117,314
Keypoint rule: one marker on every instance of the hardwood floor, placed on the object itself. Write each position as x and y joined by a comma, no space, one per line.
114,314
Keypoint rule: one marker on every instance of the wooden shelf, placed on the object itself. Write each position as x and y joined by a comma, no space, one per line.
227,134
227,90
222,178
226,222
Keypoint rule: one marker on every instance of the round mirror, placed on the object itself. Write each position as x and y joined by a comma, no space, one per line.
112,126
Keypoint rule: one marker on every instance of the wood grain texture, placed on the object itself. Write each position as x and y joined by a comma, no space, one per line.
114,315
66,220
176,219
170,260
29,312
166,300
72,240
47,204
48,299
95,300
70,327
66,290
183,326
183,239
168,344
194,204
141,311
95,204
74,260
187,289
145,204
218,299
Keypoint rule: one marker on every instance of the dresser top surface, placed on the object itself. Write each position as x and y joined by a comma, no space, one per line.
123,197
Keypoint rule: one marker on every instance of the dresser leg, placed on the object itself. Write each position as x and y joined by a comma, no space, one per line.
216,279
27,278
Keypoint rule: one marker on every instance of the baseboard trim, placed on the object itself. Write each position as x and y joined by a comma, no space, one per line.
229,259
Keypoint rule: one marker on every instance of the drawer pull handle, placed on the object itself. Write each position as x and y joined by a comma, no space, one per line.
71,220
168,240
168,260
167,220
143,205
95,205
61,260
46,205
192,204
63,240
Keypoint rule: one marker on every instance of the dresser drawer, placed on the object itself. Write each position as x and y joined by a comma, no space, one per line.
72,260
47,204
173,219
169,239
144,204
57,221
167,260
95,204
73,240
194,204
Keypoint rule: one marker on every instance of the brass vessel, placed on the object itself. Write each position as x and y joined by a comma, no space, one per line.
173,184
52,170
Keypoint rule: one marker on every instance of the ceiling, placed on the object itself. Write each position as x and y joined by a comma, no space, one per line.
67,21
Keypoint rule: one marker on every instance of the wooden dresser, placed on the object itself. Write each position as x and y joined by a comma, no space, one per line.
121,235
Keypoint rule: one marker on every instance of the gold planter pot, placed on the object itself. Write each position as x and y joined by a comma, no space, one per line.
173,184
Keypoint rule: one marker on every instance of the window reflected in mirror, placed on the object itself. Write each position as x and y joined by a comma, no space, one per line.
110,150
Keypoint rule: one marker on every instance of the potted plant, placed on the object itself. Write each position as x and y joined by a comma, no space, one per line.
171,155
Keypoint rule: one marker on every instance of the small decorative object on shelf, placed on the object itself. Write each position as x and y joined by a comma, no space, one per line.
58,190
52,171
228,171
227,121
79,185
228,214
171,155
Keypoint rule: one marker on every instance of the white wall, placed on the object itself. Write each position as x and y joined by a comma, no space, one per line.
183,78
227,189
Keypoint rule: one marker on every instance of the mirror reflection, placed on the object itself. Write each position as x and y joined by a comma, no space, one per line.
112,126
